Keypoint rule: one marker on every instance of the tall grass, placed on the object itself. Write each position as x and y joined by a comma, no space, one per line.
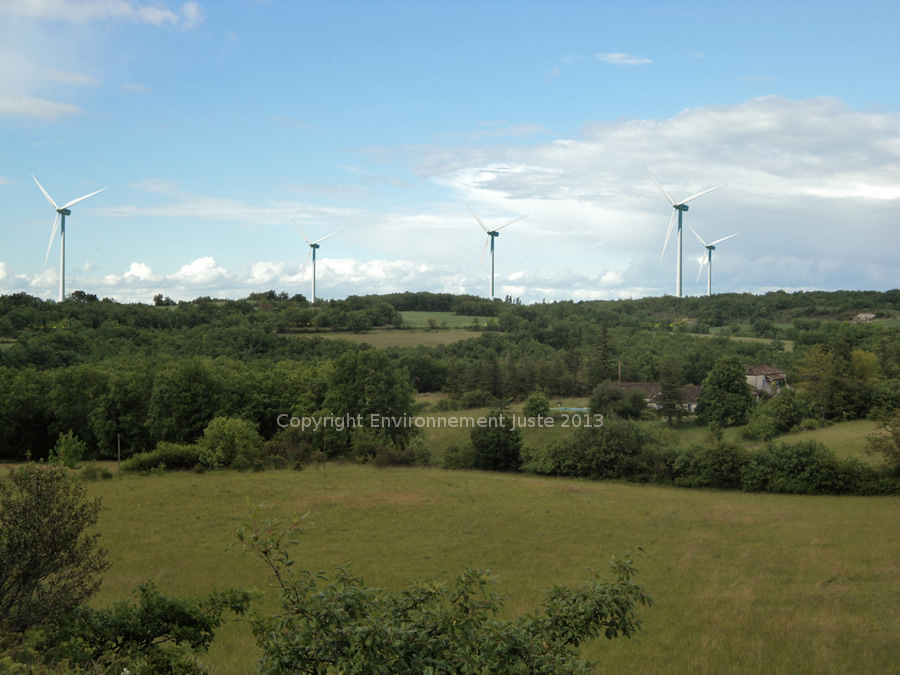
743,582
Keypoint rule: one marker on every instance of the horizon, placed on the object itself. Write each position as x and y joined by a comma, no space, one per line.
214,127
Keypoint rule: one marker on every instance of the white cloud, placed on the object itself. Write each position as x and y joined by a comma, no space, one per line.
87,11
31,106
69,78
201,272
135,88
620,59
140,271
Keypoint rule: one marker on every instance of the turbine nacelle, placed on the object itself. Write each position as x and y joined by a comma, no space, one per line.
682,207
64,212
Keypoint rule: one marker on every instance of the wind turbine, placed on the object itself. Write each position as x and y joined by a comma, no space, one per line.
313,245
492,234
706,258
60,221
680,207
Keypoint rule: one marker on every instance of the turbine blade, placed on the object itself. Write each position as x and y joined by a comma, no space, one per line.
483,251
514,220
724,238
668,234
476,217
659,185
305,238
698,236
702,261
699,194
81,199
308,255
52,237
328,237
49,198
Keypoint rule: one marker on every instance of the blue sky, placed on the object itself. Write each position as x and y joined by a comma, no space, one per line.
214,125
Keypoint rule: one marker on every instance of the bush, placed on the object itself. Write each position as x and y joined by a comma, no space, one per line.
174,456
459,457
536,405
806,467
48,564
334,623
497,445
230,442
715,464
93,472
69,451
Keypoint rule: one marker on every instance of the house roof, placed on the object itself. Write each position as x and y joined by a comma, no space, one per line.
768,371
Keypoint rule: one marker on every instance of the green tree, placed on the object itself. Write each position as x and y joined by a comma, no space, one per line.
536,405
230,442
335,623
726,398
886,442
671,396
49,565
496,445
69,451
367,383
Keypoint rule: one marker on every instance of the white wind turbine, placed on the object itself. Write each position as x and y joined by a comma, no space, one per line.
680,207
706,258
313,245
492,234
60,221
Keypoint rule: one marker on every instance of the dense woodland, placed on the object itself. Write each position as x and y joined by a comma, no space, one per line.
133,376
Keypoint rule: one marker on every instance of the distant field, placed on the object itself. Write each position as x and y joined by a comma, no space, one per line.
451,320
742,582
788,344
402,338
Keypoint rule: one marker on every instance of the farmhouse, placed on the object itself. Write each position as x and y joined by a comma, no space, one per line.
766,380
690,393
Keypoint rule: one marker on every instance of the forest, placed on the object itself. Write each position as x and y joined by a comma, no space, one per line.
130,379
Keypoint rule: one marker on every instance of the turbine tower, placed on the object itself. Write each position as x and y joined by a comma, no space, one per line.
60,221
680,207
706,258
313,245
492,234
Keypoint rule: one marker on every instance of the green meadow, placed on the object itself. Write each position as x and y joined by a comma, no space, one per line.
742,582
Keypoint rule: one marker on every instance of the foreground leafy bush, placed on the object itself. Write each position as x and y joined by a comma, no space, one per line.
334,623
49,565
171,456
156,635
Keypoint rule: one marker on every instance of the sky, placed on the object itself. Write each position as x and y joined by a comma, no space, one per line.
217,128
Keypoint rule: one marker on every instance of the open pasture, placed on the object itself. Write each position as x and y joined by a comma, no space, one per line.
382,338
742,582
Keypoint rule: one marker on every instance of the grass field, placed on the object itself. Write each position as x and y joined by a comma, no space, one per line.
403,338
442,319
787,344
743,582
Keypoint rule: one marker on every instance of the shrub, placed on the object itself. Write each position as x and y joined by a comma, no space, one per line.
459,457
230,442
496,446
335,623
174,456
68,451
715,464
536,405
805,467
48,564
610,451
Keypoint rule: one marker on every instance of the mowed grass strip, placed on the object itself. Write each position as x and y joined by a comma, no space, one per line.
743,582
